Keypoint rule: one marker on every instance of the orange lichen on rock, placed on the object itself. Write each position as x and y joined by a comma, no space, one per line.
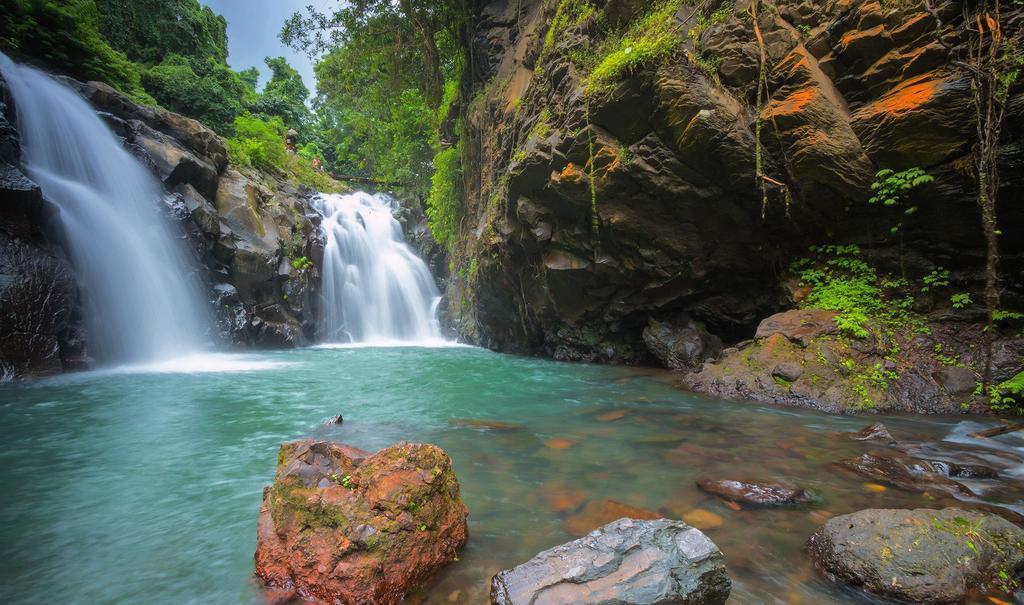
909,97
792,104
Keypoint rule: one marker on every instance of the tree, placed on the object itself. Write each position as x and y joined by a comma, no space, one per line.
206,90
150,30
285,94
387,25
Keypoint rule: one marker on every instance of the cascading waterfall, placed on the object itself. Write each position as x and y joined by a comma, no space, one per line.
132,273
375,289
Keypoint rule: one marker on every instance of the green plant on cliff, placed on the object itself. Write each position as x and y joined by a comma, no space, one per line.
841,280
444,204
646,41
569,13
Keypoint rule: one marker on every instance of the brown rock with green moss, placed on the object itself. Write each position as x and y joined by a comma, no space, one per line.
341,525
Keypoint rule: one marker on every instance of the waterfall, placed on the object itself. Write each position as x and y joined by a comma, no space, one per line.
375,289
132,273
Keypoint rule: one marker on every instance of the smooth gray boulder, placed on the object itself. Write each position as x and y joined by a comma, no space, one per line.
629,561
922,555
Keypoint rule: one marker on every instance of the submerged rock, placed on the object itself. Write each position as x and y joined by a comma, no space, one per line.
762,493
341,525
627,561
875,432
596,513
905,472
923,555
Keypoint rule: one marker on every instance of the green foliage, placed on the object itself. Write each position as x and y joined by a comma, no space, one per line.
149,30
841,281
65,35
937,278
647,41
302,264
204,89
444,205
570,13
285,94
893,188
961,300
259,144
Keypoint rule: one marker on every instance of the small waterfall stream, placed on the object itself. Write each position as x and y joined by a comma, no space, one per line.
132,273
375,289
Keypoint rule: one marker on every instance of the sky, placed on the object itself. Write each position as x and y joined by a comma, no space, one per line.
253,26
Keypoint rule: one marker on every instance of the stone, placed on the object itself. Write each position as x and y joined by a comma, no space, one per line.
596,513
874,432
956,380
627,561
788,371
703,519
342,525
486,425
922,555
904,472
799,326
761,493
681,344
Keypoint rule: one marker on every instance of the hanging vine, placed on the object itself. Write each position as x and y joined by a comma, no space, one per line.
762,92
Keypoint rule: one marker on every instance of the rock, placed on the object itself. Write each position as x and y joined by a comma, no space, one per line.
874,432
800,326
596,513
956,380
788,371
762,493
904,472
626,561
920,556
341,525
486,425
681,344
703,519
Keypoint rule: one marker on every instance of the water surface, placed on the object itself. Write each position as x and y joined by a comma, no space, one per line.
143,486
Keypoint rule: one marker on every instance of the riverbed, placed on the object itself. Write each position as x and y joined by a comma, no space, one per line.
142,485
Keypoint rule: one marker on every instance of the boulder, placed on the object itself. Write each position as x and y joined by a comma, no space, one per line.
681,344
923,555
627,561
341,525
799,325
761,493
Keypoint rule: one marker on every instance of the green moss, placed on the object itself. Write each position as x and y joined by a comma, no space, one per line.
444,204
647,41
570,13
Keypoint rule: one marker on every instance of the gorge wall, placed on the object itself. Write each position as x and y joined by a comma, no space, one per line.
594,217
244,227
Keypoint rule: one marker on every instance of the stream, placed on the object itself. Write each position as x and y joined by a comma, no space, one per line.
142,484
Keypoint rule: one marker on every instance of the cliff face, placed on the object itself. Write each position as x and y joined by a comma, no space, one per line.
244,227
595,216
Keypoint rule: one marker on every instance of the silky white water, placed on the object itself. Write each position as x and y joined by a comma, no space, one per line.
375,289
132,273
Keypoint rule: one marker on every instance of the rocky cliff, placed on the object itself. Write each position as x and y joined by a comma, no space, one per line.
600,215
245,228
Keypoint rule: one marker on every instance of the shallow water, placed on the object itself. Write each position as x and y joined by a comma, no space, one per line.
143,486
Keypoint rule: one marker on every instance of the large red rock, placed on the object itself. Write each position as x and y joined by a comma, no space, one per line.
342,526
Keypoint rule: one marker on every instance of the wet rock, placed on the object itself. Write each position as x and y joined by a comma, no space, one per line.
904,472
596,513
762,493
627,561
341,525
874,432
682,343
487,425
788,371
703,519
920,556
799,326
